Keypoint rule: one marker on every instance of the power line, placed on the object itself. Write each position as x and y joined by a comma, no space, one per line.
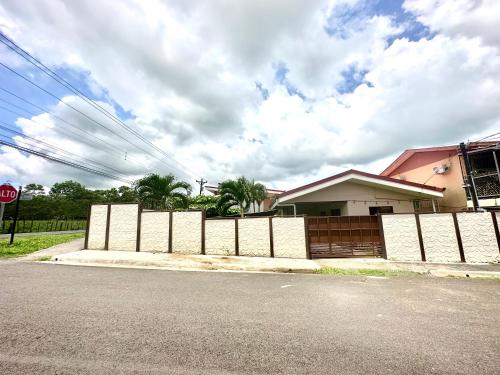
37,63
90,161
121,153
65,162
85,115
489,136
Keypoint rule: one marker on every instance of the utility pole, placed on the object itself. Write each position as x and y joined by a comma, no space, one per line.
15,216
470,181
202,182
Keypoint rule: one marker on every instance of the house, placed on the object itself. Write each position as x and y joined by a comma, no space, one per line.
355,193
443,166
265,206
485,175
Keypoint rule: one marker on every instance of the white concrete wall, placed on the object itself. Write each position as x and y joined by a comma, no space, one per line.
401,237
123,227
289,237
154,231
478,237
97,227
254,237
186,232
439,238
220,237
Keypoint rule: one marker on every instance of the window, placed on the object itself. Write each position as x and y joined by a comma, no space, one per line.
335,212
381,210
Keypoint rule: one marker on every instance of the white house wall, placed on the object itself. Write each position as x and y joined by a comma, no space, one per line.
123,227
359,198
478,237
253,234
155,231
289,240
186,232
220,237
97,227
401,237
439,238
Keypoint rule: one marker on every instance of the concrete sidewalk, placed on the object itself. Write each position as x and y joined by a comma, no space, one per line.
31,234
129,259
434,269
183,262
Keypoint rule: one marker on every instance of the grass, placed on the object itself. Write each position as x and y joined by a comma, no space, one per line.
43,259
362,272
27,245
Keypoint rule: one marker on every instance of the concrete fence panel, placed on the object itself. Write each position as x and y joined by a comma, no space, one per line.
97,227
220,237
401,237
154,231
123,227
439,238
289,237
186,232
478,237
254,239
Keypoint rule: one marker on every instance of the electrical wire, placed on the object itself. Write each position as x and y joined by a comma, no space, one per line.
37,63
88,160
65,162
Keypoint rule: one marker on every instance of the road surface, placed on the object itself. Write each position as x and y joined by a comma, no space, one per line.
58,319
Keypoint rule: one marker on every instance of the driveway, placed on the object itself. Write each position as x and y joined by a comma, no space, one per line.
66,319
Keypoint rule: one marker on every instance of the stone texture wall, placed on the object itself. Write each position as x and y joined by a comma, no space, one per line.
154,231
289,237
401,237
123,227
186,232
478,237
220,236
254,237
97,227
439,238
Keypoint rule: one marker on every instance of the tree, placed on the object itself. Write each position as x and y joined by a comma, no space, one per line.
35,189
257,193
205,202
234,193
70,189
162,192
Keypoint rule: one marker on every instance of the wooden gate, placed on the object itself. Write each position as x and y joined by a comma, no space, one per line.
344,236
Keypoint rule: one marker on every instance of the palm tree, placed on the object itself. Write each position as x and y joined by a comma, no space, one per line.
257,193
234,193
163,192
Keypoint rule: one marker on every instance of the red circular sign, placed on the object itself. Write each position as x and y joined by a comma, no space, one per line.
8,193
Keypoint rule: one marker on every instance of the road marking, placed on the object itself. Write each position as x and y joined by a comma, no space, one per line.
285,286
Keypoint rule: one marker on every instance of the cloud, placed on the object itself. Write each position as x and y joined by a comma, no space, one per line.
279,91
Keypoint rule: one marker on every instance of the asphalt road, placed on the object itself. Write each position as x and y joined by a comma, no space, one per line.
62,320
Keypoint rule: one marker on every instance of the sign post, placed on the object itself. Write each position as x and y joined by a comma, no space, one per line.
8,193
15,216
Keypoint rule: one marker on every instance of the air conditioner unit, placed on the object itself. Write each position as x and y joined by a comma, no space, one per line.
441,169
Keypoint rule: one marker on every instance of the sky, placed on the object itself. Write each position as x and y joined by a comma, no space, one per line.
283,92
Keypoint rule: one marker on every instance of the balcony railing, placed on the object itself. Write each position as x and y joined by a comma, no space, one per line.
487,186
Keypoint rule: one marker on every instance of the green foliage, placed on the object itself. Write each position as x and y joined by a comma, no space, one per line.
205,202
240,193
66,200
163,192
234,193
27,245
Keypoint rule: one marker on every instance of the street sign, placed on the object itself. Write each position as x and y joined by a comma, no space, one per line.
26,196
8,193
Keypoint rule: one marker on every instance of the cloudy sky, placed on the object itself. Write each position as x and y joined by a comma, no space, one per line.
281,91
